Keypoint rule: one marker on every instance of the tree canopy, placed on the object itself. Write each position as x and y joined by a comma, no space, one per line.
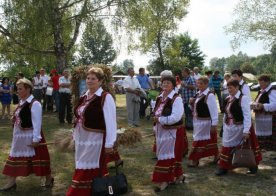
40,32
155,21
181,51
96,45
254,19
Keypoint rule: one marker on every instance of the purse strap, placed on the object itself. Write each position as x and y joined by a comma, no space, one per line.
241,145
102,162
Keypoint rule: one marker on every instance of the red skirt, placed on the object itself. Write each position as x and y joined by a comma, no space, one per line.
204,148
83,178
226,155
24,166
168,170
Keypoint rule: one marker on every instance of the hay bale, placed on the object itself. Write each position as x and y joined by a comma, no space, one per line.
129,137
64,141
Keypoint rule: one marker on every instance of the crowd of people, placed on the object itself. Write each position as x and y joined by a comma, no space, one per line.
95,125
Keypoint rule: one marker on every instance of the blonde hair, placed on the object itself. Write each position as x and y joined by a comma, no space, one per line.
26,83
98,72
204,79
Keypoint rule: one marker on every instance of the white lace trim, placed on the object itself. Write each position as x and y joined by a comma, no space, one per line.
89,143
166,138
263,124
23,135
232,135
165,156
201,129
29,153
86,165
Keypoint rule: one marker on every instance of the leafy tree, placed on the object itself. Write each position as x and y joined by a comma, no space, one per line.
254,19
246,67
181,51
235,61
155,21
155,66
96,44
218,64
127,63
47,30
261,62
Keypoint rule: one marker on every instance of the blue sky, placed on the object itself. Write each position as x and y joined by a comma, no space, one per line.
205,21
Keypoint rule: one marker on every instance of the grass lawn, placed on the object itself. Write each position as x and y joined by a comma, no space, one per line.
138,167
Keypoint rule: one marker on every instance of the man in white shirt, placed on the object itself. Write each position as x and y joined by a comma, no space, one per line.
65,97
196,75
132,88
37,83
45,78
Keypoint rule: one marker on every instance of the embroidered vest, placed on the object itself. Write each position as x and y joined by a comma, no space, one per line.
235,110
93,116
25,116
167,111
264,98
202,109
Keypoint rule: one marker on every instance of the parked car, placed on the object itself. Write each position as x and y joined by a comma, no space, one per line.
256,87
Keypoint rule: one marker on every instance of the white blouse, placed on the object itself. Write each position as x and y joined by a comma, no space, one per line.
177,111
245,90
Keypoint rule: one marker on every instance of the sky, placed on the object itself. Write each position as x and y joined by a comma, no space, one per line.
205,21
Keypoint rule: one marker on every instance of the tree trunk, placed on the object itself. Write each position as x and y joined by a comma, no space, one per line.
160,52
60,50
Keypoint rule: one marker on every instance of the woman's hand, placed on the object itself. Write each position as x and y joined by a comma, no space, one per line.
108,150
156,119
260,106
245,136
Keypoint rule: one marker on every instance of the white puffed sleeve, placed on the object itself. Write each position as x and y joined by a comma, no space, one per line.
213,109
245,105
271,106
36,112
109,110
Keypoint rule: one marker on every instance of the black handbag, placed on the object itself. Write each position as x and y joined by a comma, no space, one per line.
110,185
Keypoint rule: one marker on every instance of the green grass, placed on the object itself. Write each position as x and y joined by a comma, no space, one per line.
138,167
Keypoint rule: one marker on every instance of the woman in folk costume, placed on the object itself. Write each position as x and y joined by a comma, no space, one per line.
94,133
205,120
237,126
26,155
169,133
243,87
264,107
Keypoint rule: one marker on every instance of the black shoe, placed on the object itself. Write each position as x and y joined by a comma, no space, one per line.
11,188
221,172
252,170
154,158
